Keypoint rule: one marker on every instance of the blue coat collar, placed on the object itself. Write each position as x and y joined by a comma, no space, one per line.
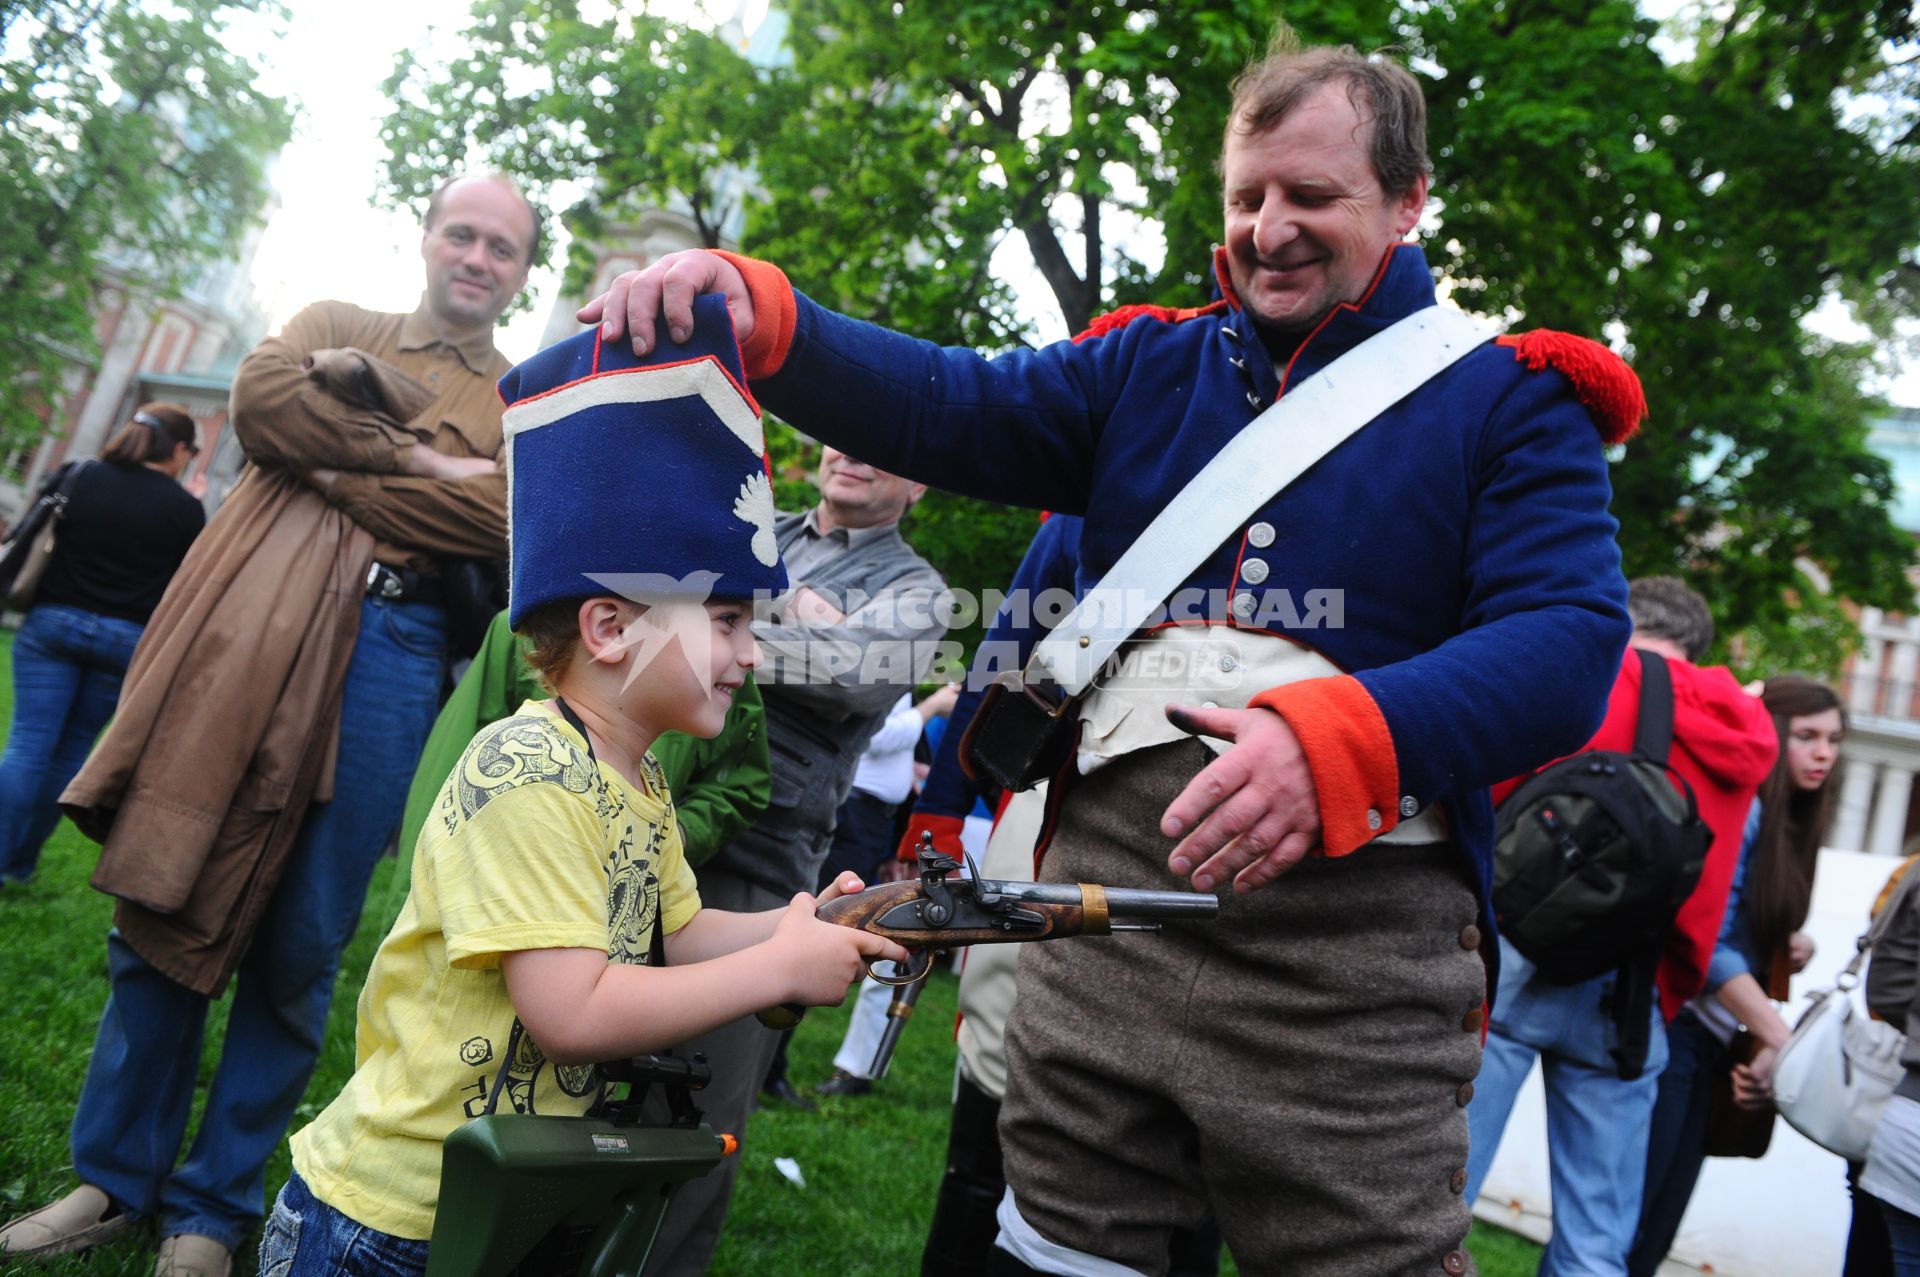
1402,285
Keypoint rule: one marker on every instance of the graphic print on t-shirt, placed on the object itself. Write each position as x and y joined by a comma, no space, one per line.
514,752
531,750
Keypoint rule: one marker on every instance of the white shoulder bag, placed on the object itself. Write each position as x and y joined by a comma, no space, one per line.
1838,1070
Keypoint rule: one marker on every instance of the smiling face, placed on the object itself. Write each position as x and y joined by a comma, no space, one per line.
1813,746
1307,221
475,250
688,661
854,494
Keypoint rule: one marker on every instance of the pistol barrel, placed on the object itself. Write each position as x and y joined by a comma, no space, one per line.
1122,902
1129,902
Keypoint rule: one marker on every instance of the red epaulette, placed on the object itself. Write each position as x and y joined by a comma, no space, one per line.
1124,315
1610,390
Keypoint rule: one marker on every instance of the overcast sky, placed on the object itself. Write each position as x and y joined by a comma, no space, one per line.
326,239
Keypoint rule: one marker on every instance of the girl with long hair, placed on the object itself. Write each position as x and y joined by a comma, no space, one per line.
1760,945
127,526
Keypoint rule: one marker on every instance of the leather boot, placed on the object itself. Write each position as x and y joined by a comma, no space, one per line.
960,1239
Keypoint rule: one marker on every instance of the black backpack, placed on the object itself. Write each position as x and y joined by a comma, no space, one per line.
1595,855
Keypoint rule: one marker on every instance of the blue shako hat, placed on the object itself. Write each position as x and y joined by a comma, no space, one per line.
643,477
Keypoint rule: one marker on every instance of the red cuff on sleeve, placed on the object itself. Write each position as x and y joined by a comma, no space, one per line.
1350,752
946,836
774,315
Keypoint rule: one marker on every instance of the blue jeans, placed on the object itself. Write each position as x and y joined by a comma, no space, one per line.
140,1082
67,668
305,1237
1678,1144
1903,1236
1596,1123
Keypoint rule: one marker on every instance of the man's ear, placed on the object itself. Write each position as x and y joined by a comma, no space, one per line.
1409,204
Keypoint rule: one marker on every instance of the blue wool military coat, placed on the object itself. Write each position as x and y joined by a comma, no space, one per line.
1483,612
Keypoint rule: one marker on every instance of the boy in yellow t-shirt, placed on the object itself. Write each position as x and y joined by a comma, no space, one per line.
522,955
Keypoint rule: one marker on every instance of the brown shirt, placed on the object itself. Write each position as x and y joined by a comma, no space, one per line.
229,714
298,425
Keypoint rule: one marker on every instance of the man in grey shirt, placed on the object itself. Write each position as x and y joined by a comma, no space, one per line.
858,629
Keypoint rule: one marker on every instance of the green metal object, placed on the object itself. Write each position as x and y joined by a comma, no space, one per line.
508,1180
511,1183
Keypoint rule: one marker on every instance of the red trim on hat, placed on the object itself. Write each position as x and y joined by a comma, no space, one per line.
774,315
626,372
731,379
1350,752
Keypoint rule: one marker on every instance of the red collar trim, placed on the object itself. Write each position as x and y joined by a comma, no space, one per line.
1224,277
1353,307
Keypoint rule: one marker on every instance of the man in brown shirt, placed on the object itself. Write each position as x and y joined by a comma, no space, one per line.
271,719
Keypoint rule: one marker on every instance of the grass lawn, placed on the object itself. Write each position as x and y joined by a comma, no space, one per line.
871,1164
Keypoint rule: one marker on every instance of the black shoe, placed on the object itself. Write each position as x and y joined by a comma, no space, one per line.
844,1083
782,1092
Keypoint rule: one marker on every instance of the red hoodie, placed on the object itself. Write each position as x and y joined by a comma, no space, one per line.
1724,743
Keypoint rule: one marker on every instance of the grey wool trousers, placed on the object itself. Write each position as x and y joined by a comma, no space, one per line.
1297,1068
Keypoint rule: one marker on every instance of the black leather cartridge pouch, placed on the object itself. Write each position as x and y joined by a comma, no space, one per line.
1022,734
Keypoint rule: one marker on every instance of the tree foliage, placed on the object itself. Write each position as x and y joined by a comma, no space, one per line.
1691,195
1698,207
127,131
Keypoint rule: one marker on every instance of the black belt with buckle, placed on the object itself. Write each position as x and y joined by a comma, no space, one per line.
404,585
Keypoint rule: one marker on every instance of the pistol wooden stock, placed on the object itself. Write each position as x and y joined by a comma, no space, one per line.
938,912
877,910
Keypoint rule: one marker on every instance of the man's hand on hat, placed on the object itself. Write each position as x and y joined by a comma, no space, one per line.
633,301
1252,813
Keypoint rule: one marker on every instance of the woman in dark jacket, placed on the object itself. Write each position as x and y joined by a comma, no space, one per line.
128,525
1892,1172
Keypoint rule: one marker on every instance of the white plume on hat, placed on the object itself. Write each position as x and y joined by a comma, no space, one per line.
755,505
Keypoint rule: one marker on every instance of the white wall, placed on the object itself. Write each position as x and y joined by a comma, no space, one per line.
1784,1215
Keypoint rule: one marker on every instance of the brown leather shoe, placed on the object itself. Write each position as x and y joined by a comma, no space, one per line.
81,1220
191,1255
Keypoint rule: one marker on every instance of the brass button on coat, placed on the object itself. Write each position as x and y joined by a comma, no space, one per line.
1469,937
1458,1180
1464,1096
1473,1019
